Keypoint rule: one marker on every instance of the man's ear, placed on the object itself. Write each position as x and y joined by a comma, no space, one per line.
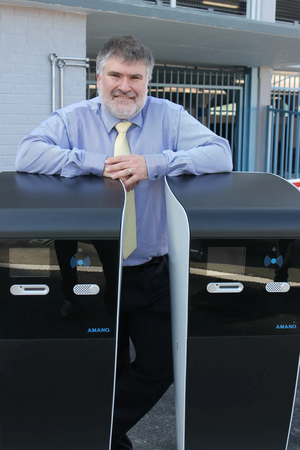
98,80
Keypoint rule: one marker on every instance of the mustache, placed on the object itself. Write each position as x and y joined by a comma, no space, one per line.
124,94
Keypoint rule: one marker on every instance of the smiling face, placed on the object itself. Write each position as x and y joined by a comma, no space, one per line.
123,87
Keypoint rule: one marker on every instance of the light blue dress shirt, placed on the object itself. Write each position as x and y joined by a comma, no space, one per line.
77,140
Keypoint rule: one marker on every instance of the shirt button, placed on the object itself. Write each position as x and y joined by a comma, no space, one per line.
156,176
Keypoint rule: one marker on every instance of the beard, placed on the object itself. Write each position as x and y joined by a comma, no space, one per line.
122,109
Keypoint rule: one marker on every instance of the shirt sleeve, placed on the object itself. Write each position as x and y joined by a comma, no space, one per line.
47,150
196,150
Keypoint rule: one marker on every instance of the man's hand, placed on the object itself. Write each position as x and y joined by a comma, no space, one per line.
128,168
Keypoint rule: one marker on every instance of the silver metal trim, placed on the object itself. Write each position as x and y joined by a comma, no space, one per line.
118,309
179,253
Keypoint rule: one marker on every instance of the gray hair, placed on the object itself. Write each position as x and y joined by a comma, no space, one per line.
129,50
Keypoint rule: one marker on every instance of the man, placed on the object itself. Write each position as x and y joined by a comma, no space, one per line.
163,139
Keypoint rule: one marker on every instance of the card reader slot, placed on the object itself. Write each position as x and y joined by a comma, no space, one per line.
29,289
40,289
231,286
224,288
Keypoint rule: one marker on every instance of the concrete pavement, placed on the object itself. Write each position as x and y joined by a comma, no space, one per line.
157,431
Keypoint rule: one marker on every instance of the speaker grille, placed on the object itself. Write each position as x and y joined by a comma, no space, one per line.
277,286
86,289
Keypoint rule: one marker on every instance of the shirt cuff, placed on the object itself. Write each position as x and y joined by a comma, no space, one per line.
94,163
157,166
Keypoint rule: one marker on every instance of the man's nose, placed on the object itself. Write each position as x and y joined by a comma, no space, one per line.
124,85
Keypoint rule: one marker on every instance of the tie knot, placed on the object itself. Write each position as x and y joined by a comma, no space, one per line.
122,127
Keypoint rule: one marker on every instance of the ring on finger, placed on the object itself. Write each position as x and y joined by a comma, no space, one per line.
130,171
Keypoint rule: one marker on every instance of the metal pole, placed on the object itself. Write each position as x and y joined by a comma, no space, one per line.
53,58
61,64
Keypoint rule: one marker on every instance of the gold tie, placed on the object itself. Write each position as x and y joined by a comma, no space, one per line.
122,148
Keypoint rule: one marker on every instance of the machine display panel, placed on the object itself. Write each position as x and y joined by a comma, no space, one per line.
58,288
244,287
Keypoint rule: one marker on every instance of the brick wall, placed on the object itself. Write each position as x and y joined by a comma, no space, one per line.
27,37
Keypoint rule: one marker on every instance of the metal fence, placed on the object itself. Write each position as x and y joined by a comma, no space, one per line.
215,98
288,10
283,127
285,10
235,7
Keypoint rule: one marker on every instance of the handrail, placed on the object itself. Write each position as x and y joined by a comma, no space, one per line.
61,62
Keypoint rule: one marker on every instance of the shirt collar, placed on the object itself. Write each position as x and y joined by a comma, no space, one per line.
110,121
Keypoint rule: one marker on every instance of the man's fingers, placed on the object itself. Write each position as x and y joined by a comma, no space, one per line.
127,166
122,172
130,183
116,159
116,167
106,174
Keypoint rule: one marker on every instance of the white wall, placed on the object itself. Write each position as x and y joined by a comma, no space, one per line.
27,37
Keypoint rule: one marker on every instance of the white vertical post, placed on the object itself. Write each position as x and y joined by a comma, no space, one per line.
263,10
252,9
267,10
264,93
253,103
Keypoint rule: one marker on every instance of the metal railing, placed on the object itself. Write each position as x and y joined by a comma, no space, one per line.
284,10
215,98
283,142
283,138
283,127
288,11
61,62
235,7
